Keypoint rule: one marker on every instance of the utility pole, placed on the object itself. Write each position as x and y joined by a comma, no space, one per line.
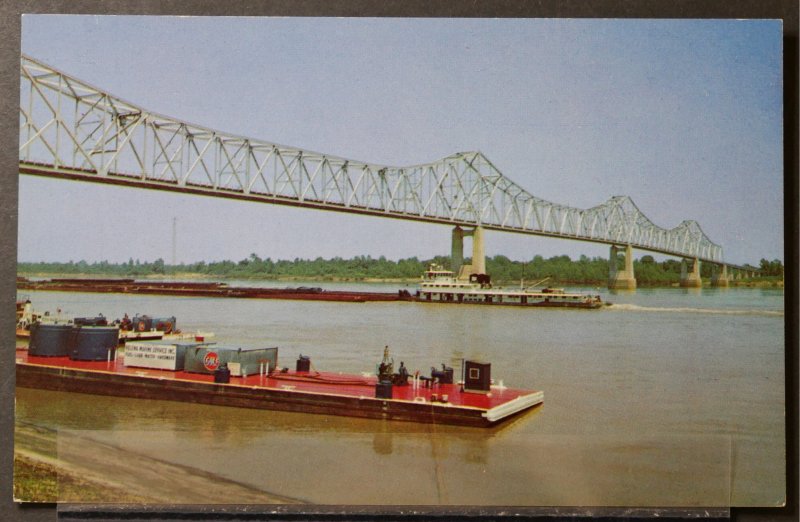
174,239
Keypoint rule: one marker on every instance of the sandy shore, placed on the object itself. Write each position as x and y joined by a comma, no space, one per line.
66,466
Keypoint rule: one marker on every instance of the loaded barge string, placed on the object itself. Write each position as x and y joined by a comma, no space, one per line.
205,289
437,285
207,373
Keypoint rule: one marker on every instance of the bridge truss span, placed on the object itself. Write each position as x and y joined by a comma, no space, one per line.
70,129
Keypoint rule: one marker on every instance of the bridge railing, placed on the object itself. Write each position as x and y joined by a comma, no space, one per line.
76,129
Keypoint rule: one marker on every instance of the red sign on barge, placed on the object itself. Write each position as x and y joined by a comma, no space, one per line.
416,399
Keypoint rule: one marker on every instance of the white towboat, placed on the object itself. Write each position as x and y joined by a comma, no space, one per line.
442,286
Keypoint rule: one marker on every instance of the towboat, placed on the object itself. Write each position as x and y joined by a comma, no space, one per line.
442,286
140,328
25,317
146,328
155,335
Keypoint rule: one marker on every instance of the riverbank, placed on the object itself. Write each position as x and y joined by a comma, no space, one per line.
555,271
38,482
69,466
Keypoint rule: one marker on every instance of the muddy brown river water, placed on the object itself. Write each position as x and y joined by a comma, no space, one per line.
669,397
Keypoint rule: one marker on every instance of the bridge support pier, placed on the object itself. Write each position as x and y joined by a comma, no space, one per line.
720,277
621,279
457,249
691,278
478,265
478,252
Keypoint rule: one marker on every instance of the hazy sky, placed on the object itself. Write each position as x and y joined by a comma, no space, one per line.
682,116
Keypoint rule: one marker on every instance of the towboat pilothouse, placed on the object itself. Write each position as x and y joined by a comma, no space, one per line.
442,286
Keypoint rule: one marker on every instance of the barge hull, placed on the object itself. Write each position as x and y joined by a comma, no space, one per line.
538,304
60,378
195,289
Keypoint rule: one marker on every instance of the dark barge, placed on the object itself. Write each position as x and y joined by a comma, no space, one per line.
205,289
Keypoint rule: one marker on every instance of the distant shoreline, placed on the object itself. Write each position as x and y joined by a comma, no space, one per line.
189,276
558,271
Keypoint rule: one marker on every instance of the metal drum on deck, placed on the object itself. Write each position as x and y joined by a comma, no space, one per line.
100,320
93,343
49,340
142,323
164,324
145,323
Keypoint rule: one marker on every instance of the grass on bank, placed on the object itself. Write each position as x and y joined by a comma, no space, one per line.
38,482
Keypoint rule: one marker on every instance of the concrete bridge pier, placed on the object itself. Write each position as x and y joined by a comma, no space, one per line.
691,278
719,277
478,252
457,249
478,265
621,279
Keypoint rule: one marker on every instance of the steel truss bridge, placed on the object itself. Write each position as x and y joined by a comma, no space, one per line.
72,130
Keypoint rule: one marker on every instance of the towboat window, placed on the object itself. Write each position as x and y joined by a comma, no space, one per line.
474,373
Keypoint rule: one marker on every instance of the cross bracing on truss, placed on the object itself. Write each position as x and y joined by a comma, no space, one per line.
71,129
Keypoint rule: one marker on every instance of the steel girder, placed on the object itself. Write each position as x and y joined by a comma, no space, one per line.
71,129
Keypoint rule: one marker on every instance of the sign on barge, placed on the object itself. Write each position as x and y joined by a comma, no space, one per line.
205,373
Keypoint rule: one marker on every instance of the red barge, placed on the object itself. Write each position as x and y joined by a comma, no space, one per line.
438,399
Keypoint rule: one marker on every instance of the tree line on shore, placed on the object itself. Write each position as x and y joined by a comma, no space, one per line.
558,269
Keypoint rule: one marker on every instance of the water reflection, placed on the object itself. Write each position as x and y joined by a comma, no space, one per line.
382,442
225,424
622,291
248,446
